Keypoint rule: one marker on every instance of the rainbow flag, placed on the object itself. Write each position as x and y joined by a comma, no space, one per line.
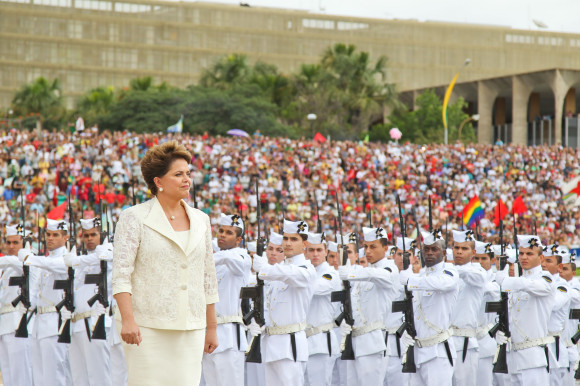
473,212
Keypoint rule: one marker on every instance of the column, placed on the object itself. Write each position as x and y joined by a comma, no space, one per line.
485,99
520,95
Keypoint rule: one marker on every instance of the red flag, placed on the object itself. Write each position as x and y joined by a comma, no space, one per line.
319,137
519,206
57,213
502,209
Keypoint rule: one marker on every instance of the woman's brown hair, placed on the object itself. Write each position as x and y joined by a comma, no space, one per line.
158,160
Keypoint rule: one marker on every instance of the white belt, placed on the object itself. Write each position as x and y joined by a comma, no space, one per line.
286,329
7,309
532,343
80,316
433,340
229,319
483,331
555,333
392,330
464,332
310,331
45,310
367,328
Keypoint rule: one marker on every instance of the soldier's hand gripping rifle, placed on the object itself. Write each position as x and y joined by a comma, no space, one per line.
256,294
501,308
24,298
344,296
102,296
406,306
575,314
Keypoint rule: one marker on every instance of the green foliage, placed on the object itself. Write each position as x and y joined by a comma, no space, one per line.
425,124
42,99
96,103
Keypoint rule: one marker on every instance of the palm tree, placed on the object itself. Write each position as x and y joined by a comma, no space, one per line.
41,98
141,84
228,71
96,102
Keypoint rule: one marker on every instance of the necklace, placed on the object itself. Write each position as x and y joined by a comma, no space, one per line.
172,217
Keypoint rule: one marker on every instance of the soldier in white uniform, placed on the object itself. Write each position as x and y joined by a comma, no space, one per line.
332,258
339,372
50,359
559,361
15,355
288,296
487,346
465,318
225,366
274,250
435,293
530,306
395,375
568,272
373,292
323,346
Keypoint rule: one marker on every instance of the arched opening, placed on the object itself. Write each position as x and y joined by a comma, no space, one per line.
502,118
541,129
571,118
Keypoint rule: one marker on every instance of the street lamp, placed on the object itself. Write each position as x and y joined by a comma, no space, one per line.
311,117
474,117
10,112
448,96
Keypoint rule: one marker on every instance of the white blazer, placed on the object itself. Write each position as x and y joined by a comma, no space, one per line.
170,285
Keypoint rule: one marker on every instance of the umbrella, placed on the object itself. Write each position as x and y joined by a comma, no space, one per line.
238,133
395,133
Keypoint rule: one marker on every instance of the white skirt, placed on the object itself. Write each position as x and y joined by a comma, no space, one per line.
165,357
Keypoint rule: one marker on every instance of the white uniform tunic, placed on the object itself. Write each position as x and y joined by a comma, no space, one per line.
225,366
487,345
255,374
435,293
556,327
321,325
571,329
530,305
465,321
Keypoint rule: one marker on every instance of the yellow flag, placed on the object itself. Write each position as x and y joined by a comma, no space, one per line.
446,99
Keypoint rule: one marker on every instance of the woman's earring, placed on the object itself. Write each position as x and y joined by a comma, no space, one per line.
161,189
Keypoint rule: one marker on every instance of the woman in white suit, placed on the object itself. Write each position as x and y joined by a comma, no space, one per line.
164,276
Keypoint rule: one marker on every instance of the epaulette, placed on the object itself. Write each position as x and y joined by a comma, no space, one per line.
388,269
327,276
562,289
547,278
448,272
303,266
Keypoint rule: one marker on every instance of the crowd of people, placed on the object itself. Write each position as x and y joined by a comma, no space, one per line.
296,176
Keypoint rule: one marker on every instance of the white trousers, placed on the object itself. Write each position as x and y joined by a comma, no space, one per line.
366,370
255,374
89,361
558,376
436,372
500,379
569,378
319,369
15,359
463,373
225,368
50,365
339,373
285,372
537,376
395,375
485,372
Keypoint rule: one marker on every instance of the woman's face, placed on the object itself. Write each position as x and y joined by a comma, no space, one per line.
176,181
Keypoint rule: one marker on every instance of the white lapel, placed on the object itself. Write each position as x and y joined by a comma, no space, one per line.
197,228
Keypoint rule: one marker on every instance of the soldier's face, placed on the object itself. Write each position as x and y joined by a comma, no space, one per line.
227,237
463,252
550,264
375,251
55,239
352,253
91,238
484,260
433,254
363,261
13,245
566,272
275,254
530,257
293,244
315,253
332,259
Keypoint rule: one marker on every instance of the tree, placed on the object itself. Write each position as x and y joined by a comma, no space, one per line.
95,103
42,99
227,71
425,125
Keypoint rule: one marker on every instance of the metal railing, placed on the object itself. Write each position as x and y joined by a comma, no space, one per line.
571,132
541,132
503,133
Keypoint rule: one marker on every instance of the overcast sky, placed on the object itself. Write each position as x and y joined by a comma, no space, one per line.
557,15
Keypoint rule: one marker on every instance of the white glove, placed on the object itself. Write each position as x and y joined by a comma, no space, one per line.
21,309
255,329
24,253
573,356
71,259
98,309
345,328
405,275
501,275
65,314
500,338
259,262
407,340
344,272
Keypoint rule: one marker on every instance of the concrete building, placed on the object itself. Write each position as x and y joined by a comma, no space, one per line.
90,43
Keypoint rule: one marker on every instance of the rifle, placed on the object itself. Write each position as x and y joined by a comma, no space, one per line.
406,307
24,298
414,214
344,295
194,194
100,279
318,221
575,314
516,245
133,191
100,213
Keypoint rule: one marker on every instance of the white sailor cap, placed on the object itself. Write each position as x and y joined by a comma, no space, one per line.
409,243
275,238
332,247
316,238
233,220
292,227
391,250
449,254
373,234
482,248
90,223
551,250
252,246
463,236
529,241
511,255
568,257
429,238
361,252
56,225
349,238
17,230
